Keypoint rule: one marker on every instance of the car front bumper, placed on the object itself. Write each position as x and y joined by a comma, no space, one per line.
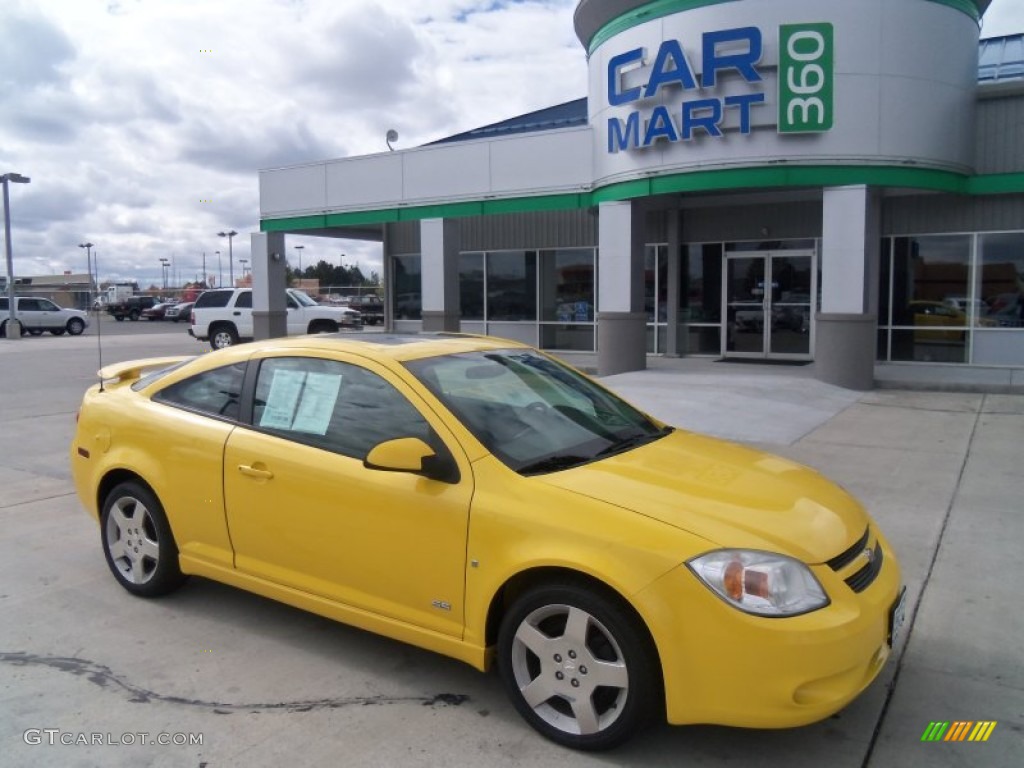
727,667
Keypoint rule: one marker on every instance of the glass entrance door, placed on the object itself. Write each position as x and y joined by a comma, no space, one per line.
769,304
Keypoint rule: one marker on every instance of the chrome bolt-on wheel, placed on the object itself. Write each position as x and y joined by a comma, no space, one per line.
138,543
578,666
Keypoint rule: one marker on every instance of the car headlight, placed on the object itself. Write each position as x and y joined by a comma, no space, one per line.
762,583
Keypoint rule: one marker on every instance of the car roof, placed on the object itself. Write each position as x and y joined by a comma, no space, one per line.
398,347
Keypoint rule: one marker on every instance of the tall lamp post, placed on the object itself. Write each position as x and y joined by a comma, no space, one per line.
93,288
220,272
13,329
299,249
231,255
164,265
243,262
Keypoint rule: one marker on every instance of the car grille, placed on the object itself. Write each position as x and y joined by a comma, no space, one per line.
847,556
866,575
863,578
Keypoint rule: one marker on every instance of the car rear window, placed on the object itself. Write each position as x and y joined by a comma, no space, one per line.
213,299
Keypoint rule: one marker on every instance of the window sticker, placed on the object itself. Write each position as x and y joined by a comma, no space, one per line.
317,403
301,401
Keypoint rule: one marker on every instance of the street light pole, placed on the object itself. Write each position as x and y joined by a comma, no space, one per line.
299,249
243,262
93,288
231,255
164,264
13,329
220,271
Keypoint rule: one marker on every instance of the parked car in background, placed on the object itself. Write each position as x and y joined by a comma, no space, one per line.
479,499
131,306
158,311
37,315
224,316
370,307
180,311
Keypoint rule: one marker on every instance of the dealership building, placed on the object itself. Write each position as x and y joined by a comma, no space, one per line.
839,182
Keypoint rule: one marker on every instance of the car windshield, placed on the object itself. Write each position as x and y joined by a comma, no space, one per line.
533,413
303,299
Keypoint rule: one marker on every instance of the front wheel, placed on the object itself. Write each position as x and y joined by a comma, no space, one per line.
223,336
578,666
76,326
137,541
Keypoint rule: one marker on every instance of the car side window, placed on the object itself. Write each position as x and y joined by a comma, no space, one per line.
47,306
216,393
29,305
332,405
244,300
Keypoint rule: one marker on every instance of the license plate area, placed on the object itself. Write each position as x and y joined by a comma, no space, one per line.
897,616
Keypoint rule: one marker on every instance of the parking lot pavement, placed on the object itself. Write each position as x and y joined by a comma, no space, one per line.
264,684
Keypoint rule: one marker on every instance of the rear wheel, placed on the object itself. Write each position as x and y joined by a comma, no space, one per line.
578,666
222,336
75,326
137,541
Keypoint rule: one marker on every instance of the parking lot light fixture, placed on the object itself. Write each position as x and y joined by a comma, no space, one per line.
88,265
13,330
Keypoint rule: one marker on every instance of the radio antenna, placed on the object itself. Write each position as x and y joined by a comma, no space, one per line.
99,322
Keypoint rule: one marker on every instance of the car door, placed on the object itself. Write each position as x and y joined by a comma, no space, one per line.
31,314
241,314
305,512
50,315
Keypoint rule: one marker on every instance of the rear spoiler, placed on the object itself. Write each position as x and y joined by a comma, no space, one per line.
132,369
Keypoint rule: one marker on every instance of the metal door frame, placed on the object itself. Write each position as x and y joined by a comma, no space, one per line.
766,303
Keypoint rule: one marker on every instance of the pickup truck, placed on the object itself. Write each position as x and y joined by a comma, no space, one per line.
131,307
224,316
370,307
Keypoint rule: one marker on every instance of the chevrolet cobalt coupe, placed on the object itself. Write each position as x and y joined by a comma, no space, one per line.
479,499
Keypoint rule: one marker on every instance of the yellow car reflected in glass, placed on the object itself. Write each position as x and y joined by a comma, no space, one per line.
477,498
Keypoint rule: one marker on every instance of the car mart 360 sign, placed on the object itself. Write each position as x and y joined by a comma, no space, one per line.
805,86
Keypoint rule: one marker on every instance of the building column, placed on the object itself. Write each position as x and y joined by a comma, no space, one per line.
675,327
439,272
269,300
621,321
846,331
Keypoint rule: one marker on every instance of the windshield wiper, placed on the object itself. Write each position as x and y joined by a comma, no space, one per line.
553,463
634,440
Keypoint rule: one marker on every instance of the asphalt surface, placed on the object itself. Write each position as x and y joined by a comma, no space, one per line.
266,685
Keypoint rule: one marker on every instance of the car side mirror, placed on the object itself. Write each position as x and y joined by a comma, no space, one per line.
410,454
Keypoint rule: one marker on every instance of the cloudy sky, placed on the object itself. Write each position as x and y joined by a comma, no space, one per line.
142,123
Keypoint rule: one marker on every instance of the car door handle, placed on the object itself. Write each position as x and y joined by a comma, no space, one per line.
264,474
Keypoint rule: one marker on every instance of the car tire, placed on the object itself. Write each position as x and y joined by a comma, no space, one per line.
223,336
323,326
560,641
133,315
57,331
75,326
137,541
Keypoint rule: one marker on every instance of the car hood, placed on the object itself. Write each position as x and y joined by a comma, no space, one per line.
725,493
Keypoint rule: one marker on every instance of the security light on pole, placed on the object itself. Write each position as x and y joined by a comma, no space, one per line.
231,255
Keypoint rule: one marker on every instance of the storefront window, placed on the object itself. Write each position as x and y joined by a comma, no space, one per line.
512,285
567,285
700,294
407,286
999,303
471,286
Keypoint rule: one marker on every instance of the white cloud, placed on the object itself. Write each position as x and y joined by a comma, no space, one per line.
143,122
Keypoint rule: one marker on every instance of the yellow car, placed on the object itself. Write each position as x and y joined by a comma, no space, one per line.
477,498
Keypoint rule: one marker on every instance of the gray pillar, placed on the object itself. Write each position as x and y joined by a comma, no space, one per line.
269,302
439,249
621,321
845,334
676,326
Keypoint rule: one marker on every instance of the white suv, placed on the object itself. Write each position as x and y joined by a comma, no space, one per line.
224,316
37,315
